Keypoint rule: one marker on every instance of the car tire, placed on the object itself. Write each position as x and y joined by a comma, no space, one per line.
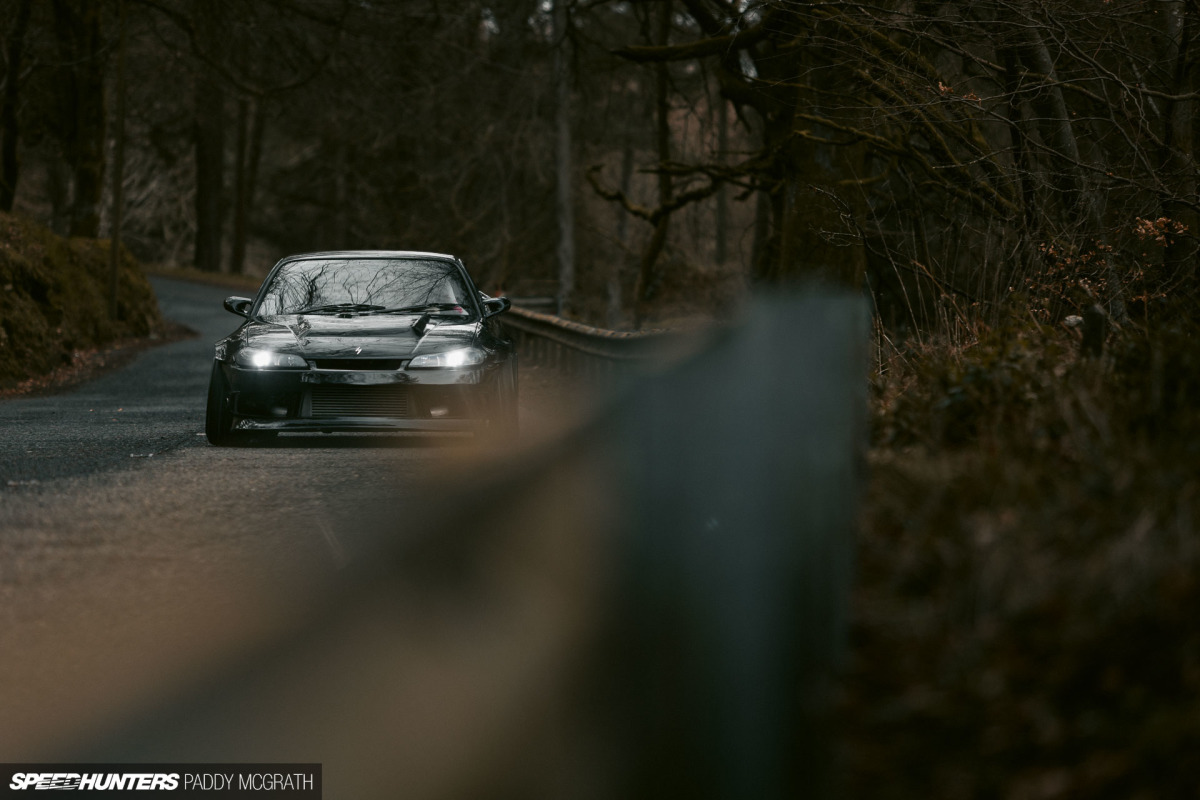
218,419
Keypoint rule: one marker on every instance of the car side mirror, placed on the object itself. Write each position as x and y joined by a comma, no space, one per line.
496,305
239,306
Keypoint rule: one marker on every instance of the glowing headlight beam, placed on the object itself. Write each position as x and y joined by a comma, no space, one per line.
463,357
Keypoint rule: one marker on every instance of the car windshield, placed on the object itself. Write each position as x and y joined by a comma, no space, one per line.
366,285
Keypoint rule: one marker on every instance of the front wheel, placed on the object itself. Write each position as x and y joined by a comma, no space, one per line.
218,419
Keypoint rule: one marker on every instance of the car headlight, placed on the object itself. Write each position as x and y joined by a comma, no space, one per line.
463,357
250,358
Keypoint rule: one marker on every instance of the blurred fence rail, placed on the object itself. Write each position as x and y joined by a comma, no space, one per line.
582,350
650,607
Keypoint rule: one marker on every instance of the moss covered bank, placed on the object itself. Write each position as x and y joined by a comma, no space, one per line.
54,299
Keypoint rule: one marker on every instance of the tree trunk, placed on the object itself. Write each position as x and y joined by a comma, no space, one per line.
1177,160
9,126
1056,116
118,176
769,214
58,187
616,268
1083,204
818,239
648,279
209,135
77,27
1029,224
250,137
237,252
760,257
565,210
722,220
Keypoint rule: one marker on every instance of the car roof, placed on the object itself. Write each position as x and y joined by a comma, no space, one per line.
370,254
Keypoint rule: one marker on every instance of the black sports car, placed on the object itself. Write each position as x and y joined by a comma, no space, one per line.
364,341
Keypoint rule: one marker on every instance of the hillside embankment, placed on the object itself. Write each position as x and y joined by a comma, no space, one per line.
54,303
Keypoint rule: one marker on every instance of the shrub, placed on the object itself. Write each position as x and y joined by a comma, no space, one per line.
1029,569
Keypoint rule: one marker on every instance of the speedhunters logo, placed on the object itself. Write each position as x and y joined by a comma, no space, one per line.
106,781
218,781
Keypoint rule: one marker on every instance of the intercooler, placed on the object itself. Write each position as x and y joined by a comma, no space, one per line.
332,400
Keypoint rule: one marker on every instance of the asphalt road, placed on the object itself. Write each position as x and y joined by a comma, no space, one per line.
136,559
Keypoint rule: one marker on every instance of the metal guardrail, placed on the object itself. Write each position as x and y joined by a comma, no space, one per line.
581,350
650,607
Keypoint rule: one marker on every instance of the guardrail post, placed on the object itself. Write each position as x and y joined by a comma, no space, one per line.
743,468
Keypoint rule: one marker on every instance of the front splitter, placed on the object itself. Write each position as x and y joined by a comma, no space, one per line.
363,424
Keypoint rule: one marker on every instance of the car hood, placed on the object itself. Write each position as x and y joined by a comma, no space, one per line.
373,336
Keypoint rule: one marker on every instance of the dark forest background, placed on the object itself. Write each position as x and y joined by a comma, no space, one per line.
624,155
1011,183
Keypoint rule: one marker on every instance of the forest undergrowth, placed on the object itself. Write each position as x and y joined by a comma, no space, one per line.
1029,567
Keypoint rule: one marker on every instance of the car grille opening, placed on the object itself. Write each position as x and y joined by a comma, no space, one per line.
359,364
360,401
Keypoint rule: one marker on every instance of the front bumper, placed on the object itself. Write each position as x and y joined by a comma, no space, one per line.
334,400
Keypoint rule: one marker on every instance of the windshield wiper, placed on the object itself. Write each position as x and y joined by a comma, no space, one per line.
425,308
340,307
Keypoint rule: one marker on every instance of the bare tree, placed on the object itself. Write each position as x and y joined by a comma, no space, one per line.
81,49
962,152
14,46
